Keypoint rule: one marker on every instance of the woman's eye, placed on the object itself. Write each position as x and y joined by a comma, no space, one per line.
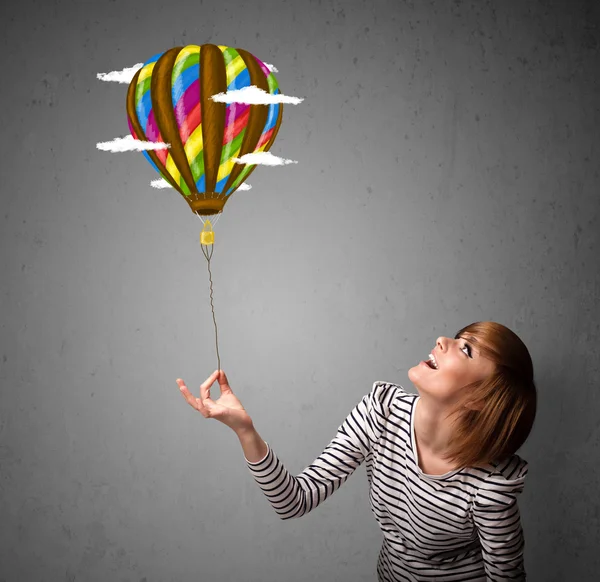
468,348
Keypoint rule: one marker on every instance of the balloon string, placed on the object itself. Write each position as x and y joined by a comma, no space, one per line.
208,257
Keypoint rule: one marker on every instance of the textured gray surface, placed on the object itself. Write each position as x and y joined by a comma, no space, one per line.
448,173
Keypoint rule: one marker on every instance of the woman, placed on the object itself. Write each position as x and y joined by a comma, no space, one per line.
442,470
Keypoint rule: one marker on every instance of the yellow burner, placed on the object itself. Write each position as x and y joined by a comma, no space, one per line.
207,236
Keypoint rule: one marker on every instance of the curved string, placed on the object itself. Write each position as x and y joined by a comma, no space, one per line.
208,257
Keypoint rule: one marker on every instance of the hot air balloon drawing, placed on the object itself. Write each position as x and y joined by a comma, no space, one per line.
169,100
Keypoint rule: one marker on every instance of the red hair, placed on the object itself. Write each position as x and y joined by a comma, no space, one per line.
496,415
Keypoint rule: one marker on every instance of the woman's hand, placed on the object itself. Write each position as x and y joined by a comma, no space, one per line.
227,409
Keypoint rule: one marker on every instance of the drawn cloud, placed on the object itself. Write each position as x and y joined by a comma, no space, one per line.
253,95
129,144
264,159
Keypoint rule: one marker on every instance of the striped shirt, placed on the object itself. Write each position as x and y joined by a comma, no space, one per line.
463,525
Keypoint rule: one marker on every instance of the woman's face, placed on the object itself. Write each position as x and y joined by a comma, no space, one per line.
459,364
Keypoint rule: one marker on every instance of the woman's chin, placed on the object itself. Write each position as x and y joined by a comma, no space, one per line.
413,374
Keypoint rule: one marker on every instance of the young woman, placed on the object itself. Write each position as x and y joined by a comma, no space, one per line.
442,470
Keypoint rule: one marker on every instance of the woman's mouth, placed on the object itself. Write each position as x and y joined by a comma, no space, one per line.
428,364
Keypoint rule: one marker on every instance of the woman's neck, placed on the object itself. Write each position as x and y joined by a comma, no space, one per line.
433,430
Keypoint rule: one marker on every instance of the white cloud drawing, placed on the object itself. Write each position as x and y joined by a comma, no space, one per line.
254,96
263,158
128,144
123,76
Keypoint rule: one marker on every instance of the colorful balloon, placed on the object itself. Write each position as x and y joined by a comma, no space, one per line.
168,101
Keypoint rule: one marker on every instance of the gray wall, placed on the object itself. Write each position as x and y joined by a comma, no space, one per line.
448,173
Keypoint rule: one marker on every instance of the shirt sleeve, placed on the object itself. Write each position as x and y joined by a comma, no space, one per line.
498,521
292,497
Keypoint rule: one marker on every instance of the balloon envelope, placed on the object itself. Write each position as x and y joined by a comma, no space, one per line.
169,100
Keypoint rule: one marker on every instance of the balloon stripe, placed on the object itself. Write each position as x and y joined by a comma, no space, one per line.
237,78
189,100
143,100
187,57
191,50
185,71
144,107
220,184
227,130
229,53
152,131
193,151
236,70
273,114
237,113
273,85
184,186
136,100
144,86
234,147
153,134
139,93
181,83
201,183
232,64
172,168
256,118
190,124
139,132
240,81
146,72
236,116
232,150
186,95
194,144
177,163
183,66
279,109
241,121
264,138
197,167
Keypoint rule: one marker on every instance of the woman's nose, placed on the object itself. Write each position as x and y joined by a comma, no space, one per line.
441,343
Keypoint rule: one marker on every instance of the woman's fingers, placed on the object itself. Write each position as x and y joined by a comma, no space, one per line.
204,404
191,399
224,383
205,386
186,393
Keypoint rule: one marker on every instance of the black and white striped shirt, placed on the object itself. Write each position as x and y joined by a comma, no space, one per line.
463,525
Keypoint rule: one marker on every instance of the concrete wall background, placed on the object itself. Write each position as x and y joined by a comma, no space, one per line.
448,173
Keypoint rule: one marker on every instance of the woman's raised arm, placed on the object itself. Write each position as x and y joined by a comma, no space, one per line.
290,496
295,496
